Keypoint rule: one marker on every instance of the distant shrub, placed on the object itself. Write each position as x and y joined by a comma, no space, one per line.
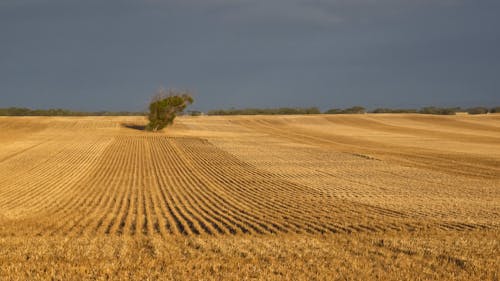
355,110
495,109
439,110
165,106
265,111
394,110
195,113
22,111
350,110
477,110
334,111
17,111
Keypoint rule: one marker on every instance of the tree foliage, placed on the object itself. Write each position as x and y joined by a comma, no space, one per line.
165,106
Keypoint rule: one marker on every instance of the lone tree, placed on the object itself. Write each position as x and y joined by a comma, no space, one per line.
165,106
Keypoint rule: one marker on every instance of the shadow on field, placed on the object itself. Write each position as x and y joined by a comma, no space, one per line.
134,126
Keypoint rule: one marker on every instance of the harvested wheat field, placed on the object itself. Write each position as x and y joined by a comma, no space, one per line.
324,197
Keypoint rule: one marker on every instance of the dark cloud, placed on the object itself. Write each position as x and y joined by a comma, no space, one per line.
113,54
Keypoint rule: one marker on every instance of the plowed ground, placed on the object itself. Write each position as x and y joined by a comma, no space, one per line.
263,197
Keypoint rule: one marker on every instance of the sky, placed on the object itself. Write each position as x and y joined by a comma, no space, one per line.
114,54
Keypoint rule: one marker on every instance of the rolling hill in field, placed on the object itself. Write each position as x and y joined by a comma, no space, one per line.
262,197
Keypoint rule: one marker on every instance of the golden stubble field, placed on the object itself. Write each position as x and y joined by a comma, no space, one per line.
344,197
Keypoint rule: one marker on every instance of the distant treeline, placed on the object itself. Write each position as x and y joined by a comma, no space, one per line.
352,110
424,110
483,110
265,111
22,111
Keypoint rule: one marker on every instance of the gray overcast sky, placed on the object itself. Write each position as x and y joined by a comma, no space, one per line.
113,54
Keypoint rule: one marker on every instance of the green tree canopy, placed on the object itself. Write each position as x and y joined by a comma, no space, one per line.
165,106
